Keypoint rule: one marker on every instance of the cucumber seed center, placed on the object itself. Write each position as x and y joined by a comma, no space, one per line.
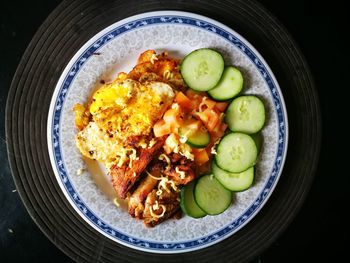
202,69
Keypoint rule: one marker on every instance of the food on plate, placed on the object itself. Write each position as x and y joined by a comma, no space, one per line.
165,141
246,114
230,84
202,69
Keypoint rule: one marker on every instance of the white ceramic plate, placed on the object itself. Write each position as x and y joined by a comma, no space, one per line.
115,49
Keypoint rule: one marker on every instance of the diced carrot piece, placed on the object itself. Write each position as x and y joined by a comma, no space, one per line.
161,128
192,124
183,100
221,106
218,132
202,116
220,127
200,156
195,97
192,94
213,119
172,117
206,104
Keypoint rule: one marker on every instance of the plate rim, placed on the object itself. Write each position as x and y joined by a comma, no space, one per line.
75,59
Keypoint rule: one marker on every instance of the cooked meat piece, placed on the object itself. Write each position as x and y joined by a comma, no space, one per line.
135,140
136,200
149,76
123,178
181,174
160,208
175,157
181,171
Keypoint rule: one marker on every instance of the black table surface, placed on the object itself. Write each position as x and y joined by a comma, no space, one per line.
320,229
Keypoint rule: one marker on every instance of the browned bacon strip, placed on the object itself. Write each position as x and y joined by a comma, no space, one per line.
123,178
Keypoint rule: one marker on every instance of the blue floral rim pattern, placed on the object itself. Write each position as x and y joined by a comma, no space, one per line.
171,246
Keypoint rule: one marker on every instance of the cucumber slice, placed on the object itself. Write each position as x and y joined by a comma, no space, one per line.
229,86
211,196
246,114
197,139
236,152
202,69
234,181
188,204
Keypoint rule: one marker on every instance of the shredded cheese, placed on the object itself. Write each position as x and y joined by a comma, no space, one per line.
80,171
213,150
181,173
156,206
202,103
143,144
174,145
175,106
167,74
132,157
183,139
164,181
164,184
123,157
185,150
152,143
115,201
153,58
163,157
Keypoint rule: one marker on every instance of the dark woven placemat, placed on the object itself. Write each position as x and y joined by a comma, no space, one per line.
57,40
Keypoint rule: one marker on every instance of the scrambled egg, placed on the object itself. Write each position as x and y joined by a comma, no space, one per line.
119,110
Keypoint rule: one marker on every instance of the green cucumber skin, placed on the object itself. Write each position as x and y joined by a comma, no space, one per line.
224,178
220,92
197,140
222,154
232,117
198,145
188,203
200,195
189,76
